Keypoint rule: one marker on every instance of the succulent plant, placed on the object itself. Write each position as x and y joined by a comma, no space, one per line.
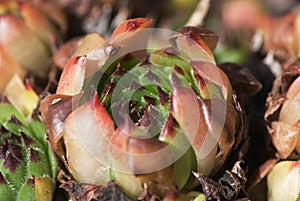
28,34
282,115
282,119
27,164
281,34
140,116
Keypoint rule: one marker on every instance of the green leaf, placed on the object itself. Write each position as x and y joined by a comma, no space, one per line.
200,197
6,193
37,131
298,198
187,163
197,195
168,59
53,163
17,178
183,168
7,110
26,193
41,166
44,163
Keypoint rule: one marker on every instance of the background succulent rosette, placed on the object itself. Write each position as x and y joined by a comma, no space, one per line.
30,33
28,168
283,126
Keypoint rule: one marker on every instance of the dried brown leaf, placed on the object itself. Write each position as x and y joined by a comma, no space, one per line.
88,192
229,187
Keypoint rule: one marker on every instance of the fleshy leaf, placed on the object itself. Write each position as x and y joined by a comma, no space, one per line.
176,196
214,74
284,138
289,112
65,51
174,136
27,192
284,178
208,36
22,97
136,155
17,32
44,188
72,78
5,190
37,21
8,68
55,109
203,124
241,79
191,46
89,43
87,152
131,25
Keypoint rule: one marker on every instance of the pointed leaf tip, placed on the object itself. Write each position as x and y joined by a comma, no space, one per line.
72,78
132,25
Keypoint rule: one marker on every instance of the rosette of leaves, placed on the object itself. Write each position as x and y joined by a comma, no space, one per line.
29,32
282,113
146,119
27,164
283,119
283,126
